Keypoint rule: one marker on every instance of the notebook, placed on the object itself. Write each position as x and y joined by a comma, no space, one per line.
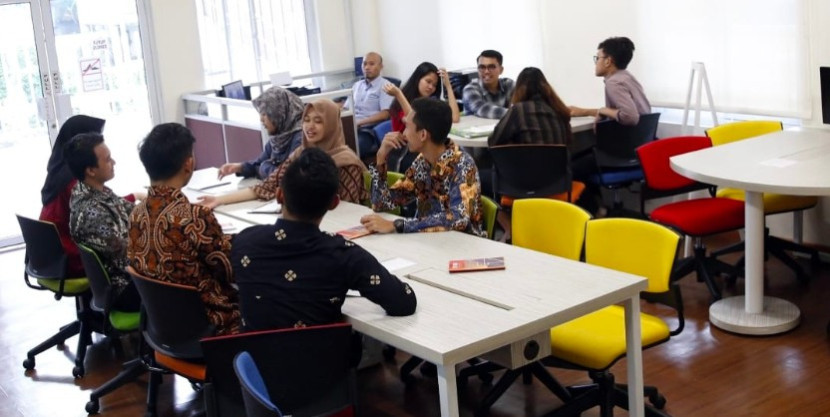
271,207
480,264
354,232
474,131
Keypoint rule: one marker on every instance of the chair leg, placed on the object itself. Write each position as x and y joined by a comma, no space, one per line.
65,332
408,367
498,390
152,393
132,370
84,340
800,274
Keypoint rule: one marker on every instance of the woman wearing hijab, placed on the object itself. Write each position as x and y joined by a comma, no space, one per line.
281,114
321,129
58,187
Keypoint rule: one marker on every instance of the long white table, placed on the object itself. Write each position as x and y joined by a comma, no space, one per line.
578,124
792,162
462,316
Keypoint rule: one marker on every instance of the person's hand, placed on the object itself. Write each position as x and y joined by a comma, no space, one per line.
209,201
228,169
576,111
445,77
140,195
391,89
376,223
392,140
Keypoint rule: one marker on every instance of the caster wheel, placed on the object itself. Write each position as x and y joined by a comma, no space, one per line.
29,363
658,401
197,386
92,407
78,372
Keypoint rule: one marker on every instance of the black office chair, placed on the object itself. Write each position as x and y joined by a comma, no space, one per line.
307,371
46,262
616,157
173,320
114,323
532,171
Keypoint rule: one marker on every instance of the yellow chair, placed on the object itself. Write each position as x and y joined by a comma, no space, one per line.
773,203
596,341
549,226
489,209
391,178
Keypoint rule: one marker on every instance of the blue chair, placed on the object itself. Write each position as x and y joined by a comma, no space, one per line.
382,128
254,393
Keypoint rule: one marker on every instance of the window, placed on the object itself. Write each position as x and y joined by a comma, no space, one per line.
756,53
250,39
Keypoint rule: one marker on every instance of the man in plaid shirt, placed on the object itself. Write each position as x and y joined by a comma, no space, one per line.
489,95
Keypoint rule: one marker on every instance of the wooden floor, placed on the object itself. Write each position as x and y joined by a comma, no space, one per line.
703,371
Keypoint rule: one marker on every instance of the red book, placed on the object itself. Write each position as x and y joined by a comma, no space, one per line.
480,264
353,233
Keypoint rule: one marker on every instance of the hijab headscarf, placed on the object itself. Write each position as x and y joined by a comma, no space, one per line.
285,110
333,141
57,172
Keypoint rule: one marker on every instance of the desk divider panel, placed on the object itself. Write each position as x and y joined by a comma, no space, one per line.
209,149
243,144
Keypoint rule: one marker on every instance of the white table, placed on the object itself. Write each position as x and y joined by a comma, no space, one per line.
463,316
792,162
578,124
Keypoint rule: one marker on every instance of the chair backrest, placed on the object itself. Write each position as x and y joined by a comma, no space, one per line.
654,158
99,280
173,317
528,171
489,209
254,393
307,371
616,143
45,257
549,226
382,128
732,132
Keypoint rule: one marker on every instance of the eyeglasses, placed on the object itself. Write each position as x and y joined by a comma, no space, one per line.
491,67
597,58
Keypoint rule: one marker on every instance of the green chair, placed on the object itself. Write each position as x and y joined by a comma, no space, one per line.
391,178
773,203
115,323
490,209
46,263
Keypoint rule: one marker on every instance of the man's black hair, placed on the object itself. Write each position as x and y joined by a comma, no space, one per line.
621,49
489,53
434,116
165,150
310,184
79,153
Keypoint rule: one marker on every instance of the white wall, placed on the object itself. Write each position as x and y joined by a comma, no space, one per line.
178,56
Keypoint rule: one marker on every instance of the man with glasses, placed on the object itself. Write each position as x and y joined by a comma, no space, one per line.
625,100
489,95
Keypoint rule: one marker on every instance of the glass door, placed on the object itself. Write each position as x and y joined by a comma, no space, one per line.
60,58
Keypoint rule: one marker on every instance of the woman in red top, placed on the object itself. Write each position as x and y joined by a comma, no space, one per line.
422,83
58,187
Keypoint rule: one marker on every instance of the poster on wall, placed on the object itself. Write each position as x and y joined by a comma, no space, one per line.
92,77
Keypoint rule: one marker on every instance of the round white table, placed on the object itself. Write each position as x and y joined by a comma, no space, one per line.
792,162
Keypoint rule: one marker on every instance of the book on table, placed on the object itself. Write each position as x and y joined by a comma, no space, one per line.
354,232
272,207
479,264
473,131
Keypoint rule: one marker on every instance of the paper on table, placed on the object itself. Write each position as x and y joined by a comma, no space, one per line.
269,208
205,179
395,264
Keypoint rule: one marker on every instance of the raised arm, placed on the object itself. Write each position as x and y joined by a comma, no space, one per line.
445,79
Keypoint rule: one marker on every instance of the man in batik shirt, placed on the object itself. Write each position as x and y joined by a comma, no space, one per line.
99,219
175,241
443,179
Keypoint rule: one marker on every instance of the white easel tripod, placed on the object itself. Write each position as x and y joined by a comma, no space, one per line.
702,81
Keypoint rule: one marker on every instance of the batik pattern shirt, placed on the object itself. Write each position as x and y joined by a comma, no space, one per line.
448,193
351,187
175,241
290,274
100,220
481,102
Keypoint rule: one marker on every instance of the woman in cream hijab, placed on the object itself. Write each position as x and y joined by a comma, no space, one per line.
321,129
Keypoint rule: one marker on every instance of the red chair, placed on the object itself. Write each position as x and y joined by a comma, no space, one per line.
695,218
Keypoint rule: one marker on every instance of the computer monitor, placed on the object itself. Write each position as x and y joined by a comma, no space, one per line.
824,73
234,90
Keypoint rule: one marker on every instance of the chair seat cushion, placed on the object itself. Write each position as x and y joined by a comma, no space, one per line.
613,178
72,286
701,216
774,203
577,187
192,370
124,321
597,340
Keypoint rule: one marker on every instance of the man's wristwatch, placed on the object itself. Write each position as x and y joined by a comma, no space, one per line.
398,225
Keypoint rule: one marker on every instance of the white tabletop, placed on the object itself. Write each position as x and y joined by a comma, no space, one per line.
792,162
461,316
578,124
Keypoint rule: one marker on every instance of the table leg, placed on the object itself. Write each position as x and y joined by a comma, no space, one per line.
634,357
754,314
447,391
